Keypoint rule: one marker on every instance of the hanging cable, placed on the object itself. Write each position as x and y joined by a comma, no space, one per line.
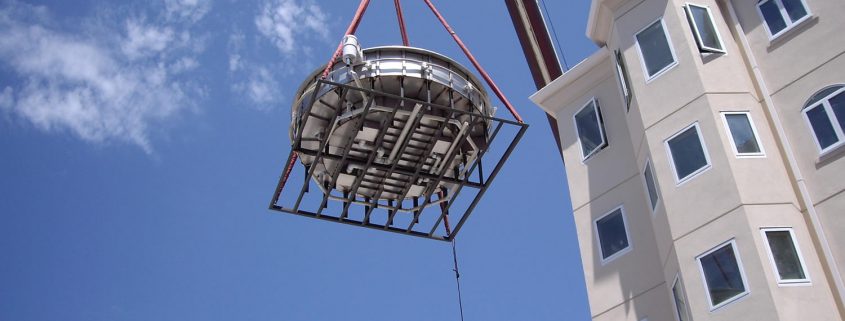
442,193
554,32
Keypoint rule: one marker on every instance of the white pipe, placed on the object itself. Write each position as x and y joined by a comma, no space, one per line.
404,133
452,147
804,194
357,83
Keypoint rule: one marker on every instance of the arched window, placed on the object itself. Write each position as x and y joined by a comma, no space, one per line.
825,113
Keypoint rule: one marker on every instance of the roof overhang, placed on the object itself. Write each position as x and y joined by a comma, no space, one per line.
600,21
571,82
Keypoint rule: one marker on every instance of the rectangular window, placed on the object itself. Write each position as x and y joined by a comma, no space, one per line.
590,129
785,256
650,185
723,275
706,35
687,153
679,298
624,83
612,235
744,138
782,15
655,49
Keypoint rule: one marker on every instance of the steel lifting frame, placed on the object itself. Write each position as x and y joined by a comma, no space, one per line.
474,178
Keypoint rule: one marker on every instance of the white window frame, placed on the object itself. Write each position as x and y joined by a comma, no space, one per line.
595,103
681,180
624,79
837,128
627,235
677,313
701,47
656,203
650,78
806,280
747,114
785,16
731,243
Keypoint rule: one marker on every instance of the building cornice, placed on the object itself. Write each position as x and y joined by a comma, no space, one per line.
582,72
600,20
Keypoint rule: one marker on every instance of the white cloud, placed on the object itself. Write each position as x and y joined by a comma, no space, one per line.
70,82
285,22
190,10
7,98
236,42
261,88
145,40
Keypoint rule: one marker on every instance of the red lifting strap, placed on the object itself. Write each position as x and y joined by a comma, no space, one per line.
475,63
401,19
353,25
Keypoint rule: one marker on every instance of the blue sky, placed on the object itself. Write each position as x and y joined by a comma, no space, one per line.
141,142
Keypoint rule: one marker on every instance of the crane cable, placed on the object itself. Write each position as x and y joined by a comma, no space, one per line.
441,194
353,26
457,279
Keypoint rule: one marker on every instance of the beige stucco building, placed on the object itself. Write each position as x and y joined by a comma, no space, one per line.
704,145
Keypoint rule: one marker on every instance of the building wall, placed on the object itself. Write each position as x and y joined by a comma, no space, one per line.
732,200
796,65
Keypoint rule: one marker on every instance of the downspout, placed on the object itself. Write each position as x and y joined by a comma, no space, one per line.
803,192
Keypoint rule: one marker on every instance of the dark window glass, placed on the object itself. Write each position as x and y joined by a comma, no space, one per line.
771,13
654,47
795,9
722,275
687,153
822,127
650,186
622,72
837,103
588,124
707,36
612,235
742,134
680,303
785,255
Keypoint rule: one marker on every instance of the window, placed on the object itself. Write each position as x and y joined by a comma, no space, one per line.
655,49
613,235
744,138
825,112
785,256
590,129
650,185
687,153
723,275
679,298
624,84
782,15
706,35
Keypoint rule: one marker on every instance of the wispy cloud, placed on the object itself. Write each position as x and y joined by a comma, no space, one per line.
288,25
70,81
285,22
190,10
261,88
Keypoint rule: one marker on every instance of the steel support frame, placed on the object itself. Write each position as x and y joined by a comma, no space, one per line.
480,185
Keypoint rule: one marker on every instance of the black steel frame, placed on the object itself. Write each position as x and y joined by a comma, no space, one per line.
480,185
